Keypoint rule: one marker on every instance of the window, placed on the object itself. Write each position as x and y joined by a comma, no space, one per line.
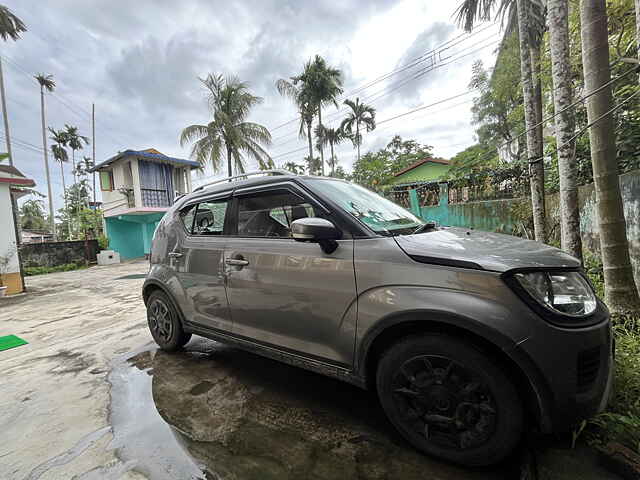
106,181
270,215
379,214
205,218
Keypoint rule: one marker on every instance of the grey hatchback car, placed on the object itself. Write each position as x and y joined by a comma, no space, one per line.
468,338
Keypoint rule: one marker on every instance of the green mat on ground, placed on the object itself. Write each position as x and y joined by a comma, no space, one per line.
11,341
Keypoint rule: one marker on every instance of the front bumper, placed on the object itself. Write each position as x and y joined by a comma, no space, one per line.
575,372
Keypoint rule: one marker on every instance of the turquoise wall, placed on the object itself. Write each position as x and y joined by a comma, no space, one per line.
131,235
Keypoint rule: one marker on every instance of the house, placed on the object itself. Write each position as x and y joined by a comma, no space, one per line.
12,186
425,170
35,236
138,187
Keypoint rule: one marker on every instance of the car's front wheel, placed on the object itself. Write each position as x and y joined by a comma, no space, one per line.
448,399
164,323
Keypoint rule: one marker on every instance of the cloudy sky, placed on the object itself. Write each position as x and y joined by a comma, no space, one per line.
139,62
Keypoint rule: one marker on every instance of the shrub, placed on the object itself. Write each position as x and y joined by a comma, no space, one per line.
31,271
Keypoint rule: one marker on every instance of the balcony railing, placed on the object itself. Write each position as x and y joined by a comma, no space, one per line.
155,198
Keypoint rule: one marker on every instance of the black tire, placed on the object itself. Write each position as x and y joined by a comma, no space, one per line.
449,400
164,323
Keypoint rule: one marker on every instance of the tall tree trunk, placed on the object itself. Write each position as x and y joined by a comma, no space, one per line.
620,290
333,163
64,196
75,184
5,116
358,139
46,165
558,15
534,147
320,143
229,170
310,166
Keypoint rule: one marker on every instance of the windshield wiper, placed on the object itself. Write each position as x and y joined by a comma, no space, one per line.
424,227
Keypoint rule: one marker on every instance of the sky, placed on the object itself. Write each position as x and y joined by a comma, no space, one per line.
139,63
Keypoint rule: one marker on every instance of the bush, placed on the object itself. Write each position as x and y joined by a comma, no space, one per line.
31,271
103,242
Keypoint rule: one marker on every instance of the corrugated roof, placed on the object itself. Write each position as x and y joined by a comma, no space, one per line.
11,175
149,153
440,161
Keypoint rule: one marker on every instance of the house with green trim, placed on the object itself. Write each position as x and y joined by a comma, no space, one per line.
138,187
425,170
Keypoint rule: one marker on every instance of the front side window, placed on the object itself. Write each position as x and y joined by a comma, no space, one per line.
376,212
205,218
106,180
271,214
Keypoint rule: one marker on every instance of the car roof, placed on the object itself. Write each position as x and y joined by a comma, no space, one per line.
223,186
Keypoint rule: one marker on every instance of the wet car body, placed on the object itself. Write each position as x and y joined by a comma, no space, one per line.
337,310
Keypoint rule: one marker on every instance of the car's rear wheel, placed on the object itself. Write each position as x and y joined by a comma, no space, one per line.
448,399
164,323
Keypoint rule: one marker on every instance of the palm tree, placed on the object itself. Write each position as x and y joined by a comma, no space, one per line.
306,108
620,290
230,103
558,15
10,28
294,168
322,84
59,151
74,142
528,17
360,113
46,83
331,137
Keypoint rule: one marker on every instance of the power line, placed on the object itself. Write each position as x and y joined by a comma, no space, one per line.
416,61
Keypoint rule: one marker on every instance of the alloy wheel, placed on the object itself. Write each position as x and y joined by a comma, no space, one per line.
160,320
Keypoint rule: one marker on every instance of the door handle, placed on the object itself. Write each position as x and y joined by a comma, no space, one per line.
175,254
236,262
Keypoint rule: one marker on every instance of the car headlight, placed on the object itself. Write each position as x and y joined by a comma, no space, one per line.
564,293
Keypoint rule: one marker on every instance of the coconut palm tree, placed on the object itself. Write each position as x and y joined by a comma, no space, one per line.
46,83
59,151
528,17
230,103
306,108
360,114
621,294
322,85
10,28
331,137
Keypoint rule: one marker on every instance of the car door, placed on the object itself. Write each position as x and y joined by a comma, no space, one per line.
199,262
283,292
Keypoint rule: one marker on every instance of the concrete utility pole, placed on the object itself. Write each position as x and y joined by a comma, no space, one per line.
5,116
93,146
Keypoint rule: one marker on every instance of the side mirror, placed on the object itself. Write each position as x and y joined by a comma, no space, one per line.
314,229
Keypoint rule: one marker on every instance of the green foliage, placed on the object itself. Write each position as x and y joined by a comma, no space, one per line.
340,172
375,169
293,167
103,242
32,216
66,267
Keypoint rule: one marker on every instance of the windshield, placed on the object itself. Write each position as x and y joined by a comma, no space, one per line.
379,214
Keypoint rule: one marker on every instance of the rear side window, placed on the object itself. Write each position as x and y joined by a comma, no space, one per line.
205,218
270,215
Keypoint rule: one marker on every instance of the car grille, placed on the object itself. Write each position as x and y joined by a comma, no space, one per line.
588,367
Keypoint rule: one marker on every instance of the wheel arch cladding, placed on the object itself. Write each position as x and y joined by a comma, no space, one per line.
402,326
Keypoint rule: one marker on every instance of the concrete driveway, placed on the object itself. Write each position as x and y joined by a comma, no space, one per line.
90,397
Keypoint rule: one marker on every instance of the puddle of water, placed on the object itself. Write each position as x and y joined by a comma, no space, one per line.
215,412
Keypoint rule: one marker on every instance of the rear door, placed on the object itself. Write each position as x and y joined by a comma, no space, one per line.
286,293
199,262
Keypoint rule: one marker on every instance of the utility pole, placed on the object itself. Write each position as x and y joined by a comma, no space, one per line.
5,116
93,146
46,165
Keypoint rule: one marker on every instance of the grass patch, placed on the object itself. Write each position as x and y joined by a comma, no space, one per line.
621,422
66,267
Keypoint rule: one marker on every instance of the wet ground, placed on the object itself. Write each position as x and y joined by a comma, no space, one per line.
91,398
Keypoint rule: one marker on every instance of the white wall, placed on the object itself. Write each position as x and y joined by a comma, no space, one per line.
7,231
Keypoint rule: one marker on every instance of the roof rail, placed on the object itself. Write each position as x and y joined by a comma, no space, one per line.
245,175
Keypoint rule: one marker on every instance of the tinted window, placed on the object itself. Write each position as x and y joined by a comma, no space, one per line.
210,218
270,215
205,218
